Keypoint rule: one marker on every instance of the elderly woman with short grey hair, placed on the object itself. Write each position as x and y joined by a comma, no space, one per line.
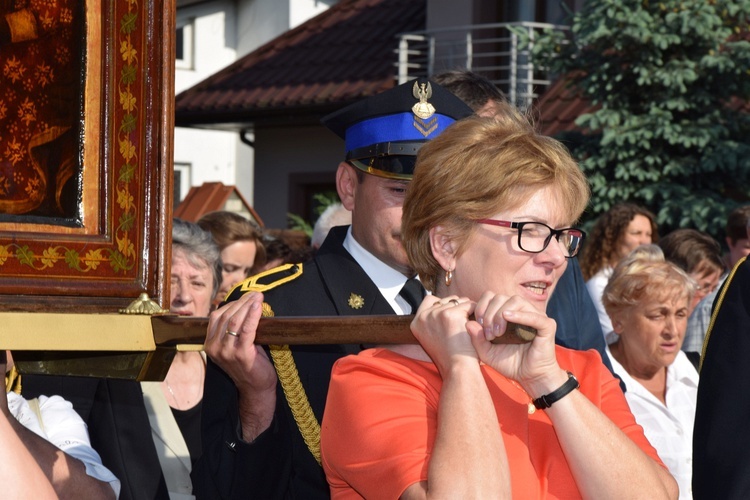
648,300
174,405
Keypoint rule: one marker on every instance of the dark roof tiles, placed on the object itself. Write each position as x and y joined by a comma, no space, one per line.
344,54
560,106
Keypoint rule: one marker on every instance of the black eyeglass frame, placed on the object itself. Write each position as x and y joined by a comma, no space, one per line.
552,232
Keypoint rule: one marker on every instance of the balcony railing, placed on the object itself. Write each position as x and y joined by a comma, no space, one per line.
491,50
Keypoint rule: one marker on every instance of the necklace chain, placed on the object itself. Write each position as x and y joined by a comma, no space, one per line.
169,388
174,396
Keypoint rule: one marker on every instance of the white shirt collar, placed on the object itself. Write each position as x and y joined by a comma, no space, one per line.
388,280
668,427
681,370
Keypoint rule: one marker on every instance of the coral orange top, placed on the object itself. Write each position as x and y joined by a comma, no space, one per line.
381,419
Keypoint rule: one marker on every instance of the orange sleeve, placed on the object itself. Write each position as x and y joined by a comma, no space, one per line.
365,441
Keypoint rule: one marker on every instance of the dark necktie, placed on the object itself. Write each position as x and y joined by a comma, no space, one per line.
412,292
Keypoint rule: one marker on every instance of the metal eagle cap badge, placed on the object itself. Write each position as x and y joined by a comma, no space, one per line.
356,301
422,109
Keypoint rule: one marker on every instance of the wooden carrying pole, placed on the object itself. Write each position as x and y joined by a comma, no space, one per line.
175,330
142,347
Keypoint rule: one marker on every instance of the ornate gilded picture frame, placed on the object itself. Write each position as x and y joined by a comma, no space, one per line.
85,193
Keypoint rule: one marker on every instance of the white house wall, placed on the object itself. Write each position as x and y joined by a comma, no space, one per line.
214,40
210,154
260,21
302,10
225,30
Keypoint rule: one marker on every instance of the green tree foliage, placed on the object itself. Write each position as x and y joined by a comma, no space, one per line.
670,84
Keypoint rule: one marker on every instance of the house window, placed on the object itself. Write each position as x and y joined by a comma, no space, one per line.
303,188
181,182
184,44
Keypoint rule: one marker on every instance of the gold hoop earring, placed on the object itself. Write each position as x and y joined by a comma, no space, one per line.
448,277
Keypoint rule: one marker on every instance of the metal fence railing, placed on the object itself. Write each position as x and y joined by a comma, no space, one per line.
491,50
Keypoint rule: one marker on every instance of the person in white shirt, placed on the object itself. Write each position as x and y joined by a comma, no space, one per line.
648,300
52,438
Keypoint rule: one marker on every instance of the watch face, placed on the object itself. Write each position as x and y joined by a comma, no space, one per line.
572,379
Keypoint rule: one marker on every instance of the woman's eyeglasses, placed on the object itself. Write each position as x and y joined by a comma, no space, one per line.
533,237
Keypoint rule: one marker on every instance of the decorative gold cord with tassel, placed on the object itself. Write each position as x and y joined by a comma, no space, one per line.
296,398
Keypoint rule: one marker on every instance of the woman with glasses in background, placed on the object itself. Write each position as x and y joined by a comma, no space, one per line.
487,225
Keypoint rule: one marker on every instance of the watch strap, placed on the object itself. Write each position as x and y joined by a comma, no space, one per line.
547,400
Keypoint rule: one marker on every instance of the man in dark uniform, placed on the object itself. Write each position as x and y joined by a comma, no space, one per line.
260,438
721,441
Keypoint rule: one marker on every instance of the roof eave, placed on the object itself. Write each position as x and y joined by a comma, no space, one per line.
267,117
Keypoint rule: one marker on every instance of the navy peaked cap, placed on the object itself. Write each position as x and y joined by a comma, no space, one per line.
383,133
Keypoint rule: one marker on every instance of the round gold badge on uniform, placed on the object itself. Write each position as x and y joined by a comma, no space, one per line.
356,301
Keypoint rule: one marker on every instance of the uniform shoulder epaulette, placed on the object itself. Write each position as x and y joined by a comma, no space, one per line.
266,280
